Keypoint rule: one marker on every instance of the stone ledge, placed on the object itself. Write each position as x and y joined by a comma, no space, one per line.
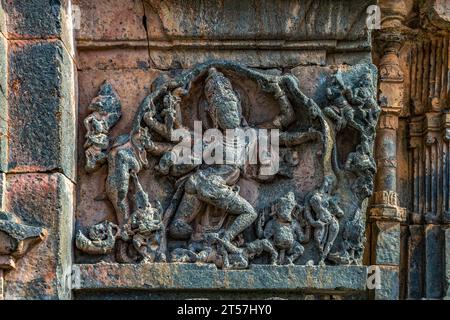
111,276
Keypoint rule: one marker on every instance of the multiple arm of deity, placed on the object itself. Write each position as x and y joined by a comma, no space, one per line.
281,232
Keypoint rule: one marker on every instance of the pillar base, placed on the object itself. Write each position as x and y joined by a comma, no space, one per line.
387,212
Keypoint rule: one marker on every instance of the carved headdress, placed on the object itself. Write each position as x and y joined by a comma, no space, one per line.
223,102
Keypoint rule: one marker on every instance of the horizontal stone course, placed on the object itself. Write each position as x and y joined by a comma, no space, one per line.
178,19
111,276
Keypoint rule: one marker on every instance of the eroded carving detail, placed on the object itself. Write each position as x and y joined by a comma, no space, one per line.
209,218
16,239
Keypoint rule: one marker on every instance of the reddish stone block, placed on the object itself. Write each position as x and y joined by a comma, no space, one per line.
31,19
112,20
3,101
44,200
41,108
2,19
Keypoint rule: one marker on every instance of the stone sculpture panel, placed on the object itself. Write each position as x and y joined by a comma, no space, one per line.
301,202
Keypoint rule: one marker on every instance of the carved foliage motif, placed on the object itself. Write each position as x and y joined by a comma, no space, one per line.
210,216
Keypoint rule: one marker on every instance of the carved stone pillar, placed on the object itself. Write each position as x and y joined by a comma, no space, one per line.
385,200
385,212
385,204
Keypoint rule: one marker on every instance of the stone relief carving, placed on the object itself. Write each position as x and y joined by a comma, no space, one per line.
16,238
211,216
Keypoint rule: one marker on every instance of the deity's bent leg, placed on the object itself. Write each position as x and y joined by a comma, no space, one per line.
333,230
319,233
188,209
117,185
223,197
296,252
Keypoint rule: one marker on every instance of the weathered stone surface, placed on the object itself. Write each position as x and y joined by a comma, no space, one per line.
2,190
229,20
47,201
312,79
41,108
350,58
133,42
162,59
415,266
436,14
386,243
16,239
106,276
242,19
132,85
434,253
34,18
2,293
3,102
37,19
2,19
268,99
113,20
390,287
113,59
447,261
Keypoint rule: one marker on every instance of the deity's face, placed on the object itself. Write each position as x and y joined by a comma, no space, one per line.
223,101
285,208
365,80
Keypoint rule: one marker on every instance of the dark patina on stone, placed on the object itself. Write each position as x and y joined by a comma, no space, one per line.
210,217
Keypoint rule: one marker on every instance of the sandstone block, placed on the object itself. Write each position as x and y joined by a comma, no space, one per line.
113,20
113,276
3,102
447,261
416,247
2,19
43,200
389,281
434,261
41,108
385,243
